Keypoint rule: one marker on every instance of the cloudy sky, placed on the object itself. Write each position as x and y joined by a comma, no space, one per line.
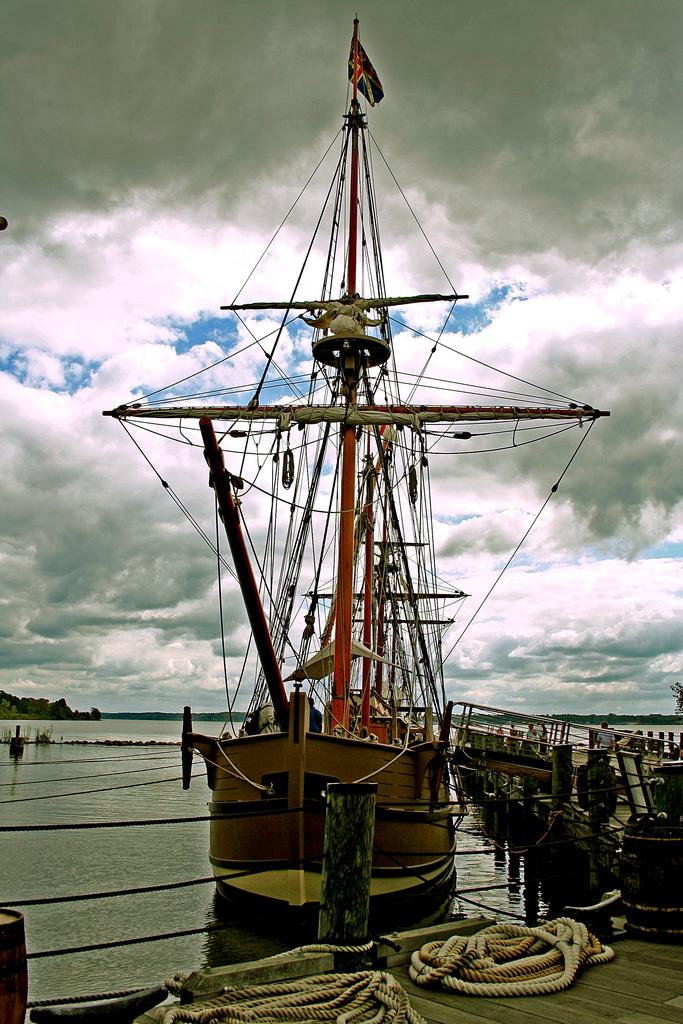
149,150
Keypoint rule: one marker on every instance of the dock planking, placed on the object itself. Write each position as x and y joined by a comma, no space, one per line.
642,985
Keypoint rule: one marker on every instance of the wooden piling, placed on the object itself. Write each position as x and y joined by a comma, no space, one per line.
562,775
13,974
16,743
186,747
347,860
598,782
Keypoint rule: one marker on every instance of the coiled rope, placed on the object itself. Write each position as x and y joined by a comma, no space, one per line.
509,959
364,996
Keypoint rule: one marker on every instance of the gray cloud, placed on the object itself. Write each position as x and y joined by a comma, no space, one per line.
532,123
540,145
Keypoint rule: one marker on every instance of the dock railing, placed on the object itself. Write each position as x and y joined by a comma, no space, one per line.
485,727
509,746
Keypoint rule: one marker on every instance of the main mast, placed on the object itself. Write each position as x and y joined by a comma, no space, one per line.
349,369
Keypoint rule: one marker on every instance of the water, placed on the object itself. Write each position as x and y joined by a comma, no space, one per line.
66,782
61,783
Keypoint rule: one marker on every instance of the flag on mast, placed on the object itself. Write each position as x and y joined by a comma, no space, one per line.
362,72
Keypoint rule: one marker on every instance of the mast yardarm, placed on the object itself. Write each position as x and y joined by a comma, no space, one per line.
415,416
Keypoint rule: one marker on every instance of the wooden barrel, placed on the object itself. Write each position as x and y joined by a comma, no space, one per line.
13,978
651,869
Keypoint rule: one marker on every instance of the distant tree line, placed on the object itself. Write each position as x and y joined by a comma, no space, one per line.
42,709
172,716
616,719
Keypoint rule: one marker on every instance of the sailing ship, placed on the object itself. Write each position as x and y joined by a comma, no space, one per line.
347,610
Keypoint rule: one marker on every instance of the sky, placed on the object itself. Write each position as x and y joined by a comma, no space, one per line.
151,148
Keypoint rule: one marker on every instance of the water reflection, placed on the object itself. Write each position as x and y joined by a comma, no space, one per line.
511,877
248,935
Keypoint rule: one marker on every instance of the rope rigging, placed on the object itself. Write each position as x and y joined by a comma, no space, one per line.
71,778
480,362
553,490
83,792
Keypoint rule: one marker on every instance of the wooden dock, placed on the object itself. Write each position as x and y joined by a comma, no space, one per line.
573,790
642,985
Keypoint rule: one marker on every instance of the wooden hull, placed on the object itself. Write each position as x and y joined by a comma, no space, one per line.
268,813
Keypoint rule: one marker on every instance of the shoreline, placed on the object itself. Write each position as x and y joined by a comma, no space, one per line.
98,743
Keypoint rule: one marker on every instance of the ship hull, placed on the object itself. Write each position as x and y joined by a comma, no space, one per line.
268,814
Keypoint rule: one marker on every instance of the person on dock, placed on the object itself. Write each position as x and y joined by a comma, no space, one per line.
605,737
531,739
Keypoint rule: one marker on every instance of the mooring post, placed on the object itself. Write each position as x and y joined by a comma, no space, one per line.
186,747
529,790
347,861
562,776
668,792
597,784
13,974
16,743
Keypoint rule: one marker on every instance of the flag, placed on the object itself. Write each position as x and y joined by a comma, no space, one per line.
365,76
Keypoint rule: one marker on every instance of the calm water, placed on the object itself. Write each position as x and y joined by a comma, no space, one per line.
76,783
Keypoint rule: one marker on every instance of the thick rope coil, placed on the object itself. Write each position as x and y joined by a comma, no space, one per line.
366,997
510,959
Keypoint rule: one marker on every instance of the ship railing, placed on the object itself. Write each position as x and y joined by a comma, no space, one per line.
396,719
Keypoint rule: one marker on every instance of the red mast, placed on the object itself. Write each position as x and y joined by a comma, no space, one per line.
349,368
368,588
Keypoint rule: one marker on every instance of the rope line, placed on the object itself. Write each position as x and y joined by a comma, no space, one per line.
118,943
239,351
100,775
487,906
364,997
553,490
212,926
82,897
129,823
510,960
74,1000
93,760
86,792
